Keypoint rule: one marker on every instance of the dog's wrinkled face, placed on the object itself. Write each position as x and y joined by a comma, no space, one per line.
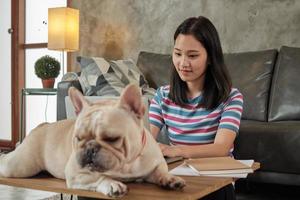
108,133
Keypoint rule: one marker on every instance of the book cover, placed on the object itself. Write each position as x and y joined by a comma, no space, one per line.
170,160
218,165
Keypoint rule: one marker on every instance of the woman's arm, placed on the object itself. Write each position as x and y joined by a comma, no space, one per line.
221,147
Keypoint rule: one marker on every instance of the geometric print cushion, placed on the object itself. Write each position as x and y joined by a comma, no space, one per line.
100,77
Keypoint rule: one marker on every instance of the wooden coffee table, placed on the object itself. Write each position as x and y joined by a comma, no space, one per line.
197,187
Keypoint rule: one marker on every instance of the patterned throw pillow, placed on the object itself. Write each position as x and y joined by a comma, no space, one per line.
100,77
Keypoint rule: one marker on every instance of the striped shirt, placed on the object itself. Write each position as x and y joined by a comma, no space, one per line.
191,124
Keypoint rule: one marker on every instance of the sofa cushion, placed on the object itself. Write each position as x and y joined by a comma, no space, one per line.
273,144
285,95
100,77
251,73
62,91
155,67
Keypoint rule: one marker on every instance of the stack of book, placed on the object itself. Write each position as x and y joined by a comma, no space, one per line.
216,166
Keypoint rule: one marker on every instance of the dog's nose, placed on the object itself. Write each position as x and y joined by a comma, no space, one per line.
88,156
92,152
92,148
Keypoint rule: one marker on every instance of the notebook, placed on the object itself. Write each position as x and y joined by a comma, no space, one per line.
185,170
218,165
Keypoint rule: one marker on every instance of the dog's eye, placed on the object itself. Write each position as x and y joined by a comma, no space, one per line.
111,139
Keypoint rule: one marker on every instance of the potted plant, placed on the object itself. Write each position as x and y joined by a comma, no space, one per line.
47,68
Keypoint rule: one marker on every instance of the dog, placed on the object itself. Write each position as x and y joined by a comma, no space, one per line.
104,147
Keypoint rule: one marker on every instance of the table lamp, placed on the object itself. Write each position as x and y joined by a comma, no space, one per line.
63,30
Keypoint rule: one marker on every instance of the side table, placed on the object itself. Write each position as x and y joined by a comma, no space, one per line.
31,91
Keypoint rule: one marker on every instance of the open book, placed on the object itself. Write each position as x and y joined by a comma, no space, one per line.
217,166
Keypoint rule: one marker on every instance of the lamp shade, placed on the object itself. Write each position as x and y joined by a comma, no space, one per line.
63,29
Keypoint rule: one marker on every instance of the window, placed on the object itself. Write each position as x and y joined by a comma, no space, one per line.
5,75
38,108
20,50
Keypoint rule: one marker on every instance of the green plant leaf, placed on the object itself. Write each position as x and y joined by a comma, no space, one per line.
47,67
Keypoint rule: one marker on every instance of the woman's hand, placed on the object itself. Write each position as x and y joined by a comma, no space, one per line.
170,151
163,146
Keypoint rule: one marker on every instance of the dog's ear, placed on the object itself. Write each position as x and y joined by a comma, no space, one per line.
78,100
131,98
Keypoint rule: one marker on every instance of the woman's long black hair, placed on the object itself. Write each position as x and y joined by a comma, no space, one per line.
217,83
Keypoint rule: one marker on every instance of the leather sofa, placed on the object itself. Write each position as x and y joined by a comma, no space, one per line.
270,126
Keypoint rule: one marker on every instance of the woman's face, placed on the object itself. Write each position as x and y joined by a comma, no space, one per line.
190,59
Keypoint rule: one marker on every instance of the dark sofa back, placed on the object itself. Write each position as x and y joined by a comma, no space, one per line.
155,67
285,92
251,73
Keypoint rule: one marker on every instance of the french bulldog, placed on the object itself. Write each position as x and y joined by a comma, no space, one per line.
104,147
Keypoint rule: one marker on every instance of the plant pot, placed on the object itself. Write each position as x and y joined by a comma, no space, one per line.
48,83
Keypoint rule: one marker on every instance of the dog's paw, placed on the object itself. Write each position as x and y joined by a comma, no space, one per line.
172,182
112,188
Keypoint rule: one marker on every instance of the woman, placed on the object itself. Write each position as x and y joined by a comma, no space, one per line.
200,108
